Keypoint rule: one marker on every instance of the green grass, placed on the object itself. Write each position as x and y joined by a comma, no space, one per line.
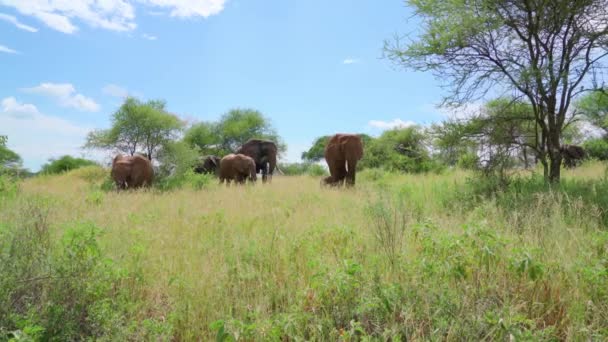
422,257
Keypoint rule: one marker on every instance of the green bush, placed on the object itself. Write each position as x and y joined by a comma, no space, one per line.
58,290
316,170
63,164
518,193
8,185
92,174
597,148
190,178
306,168
468,161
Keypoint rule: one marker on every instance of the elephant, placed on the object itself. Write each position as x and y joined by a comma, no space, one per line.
209,164
342,153
130,172
573,155
237,167
264,153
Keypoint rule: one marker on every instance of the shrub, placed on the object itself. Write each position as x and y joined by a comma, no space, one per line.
58,290
597,148
65,163
316,170
92,174
296,169
468,161
194,180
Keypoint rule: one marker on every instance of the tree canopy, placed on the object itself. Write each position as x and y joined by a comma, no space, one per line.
317,151
9,159
232,130
399,149
138,127
546,51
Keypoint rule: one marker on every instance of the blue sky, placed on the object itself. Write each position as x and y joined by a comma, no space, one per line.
313,67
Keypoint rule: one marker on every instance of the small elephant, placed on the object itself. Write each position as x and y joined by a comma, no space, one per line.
131,172
209,165
237,167
342,153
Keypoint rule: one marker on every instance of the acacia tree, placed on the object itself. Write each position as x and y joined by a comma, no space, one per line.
137,126
501,133
232,130
547,51
205,137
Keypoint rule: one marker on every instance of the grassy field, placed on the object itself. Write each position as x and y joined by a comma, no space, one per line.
422,257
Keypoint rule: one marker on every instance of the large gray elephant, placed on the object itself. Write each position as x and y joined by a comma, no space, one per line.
342,153
264,153
130,172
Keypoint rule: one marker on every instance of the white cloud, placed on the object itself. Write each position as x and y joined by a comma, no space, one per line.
36,136
7,50
149,37
10,107
115,91
396,123
115,15
66,94
189,8
13,20
350,61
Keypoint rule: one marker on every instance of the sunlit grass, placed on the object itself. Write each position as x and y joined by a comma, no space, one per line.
261,259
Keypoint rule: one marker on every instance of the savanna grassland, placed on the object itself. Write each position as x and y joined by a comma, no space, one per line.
418,257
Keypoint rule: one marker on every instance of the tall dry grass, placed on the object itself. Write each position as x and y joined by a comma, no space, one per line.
398,256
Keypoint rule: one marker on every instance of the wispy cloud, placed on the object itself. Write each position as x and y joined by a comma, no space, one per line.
7,50
13,20
114,15
396,123
37,136
349,61
189,8
115,91
66,95
11,107
149,37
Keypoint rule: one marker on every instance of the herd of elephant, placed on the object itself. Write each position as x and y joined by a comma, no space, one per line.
342,153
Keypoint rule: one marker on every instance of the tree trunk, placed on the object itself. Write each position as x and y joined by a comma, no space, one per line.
555,169
555,157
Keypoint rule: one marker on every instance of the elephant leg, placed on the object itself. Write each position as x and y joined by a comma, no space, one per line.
337,169
271,166
351,173
264,172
